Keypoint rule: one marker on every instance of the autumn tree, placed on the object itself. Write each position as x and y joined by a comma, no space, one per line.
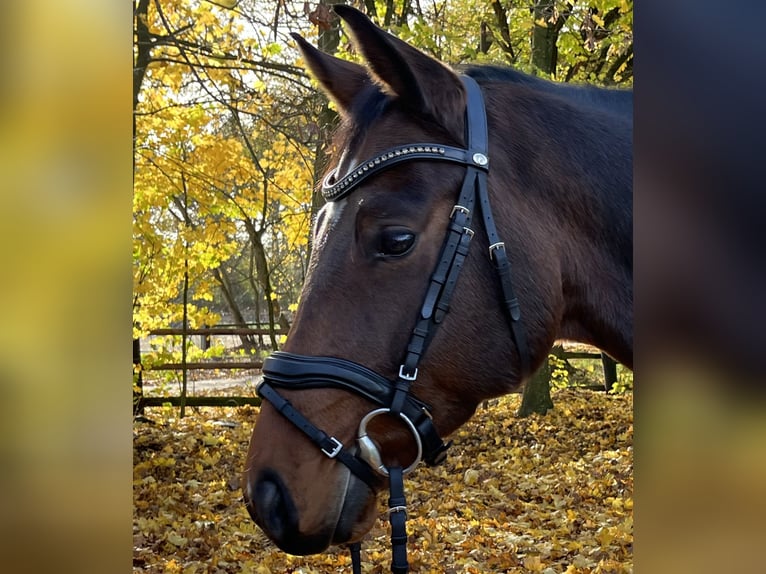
564,40
223,163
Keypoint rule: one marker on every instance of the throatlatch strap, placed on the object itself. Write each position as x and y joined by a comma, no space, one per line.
502,264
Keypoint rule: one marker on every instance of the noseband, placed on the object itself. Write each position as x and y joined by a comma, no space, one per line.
294,372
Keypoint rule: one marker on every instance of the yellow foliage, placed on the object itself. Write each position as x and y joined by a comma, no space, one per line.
202,173
519,508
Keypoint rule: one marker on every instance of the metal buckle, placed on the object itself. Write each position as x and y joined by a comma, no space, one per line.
405,377
336,450
498,245
368,450
469,232
460,208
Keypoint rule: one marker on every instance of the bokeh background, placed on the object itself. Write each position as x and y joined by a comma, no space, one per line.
65,232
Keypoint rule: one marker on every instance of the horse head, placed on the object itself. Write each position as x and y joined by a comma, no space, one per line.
375,252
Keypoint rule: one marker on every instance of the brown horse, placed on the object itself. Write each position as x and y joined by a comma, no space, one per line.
560,182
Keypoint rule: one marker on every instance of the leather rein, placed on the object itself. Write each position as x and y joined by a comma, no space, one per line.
393,398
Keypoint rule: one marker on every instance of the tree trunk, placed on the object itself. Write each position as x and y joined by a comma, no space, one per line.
141,63
501,16
545,35
537,393
370,8
610,371
256,291
262,272
184,337
143,54
223,281
138,379
485,38
389,15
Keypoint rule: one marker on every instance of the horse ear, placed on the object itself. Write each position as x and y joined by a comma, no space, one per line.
340,79
421,82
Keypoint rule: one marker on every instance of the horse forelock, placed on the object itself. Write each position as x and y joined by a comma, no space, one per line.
367,107
370,105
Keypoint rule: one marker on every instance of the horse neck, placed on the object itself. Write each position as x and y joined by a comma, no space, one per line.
570,170
597,290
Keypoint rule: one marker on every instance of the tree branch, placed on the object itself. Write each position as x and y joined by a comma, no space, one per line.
501,15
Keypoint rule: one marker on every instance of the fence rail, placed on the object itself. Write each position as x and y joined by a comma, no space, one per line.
140,401
218,331
192,401
205,365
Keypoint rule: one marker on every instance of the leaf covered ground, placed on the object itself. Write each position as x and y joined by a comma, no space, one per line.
551,494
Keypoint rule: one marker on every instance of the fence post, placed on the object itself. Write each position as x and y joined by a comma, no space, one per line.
204,341
610,371
138,390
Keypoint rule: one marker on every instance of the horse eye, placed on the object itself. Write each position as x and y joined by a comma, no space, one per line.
395,241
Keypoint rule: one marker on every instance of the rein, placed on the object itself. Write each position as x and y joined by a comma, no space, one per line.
291,371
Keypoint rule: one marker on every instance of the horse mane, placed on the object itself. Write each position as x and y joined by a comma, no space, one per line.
567,112
612,100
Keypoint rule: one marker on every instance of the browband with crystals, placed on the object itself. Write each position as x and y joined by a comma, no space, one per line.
335,190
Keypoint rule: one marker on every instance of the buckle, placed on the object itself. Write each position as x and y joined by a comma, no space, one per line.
460,208
405,377
498,245
337,448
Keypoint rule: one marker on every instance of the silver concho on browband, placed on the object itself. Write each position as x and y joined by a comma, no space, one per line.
334,190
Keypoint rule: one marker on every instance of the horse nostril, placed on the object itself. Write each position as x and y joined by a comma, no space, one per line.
273,508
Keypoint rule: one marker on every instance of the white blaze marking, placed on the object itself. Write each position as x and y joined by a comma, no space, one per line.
328,215
332,210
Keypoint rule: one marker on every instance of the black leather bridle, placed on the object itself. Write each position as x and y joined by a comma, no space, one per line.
393,398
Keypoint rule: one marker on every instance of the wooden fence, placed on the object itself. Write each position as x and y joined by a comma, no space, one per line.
140,401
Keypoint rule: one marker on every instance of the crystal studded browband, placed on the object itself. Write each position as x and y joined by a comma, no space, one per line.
334,190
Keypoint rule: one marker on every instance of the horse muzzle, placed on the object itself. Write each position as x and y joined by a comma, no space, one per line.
273,508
